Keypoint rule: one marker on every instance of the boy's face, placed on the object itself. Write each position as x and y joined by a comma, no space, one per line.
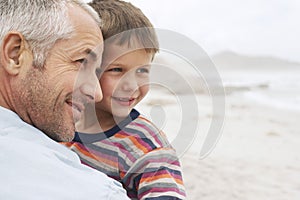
124,82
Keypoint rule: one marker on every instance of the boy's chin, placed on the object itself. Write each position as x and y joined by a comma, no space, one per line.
121,114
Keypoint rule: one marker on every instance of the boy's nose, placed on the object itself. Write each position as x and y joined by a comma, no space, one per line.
129,82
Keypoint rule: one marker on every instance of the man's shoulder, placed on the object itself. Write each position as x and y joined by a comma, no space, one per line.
8,119
44,167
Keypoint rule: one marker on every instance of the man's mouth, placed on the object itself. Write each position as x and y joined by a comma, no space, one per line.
77,109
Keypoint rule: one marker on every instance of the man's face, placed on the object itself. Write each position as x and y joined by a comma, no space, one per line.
54,97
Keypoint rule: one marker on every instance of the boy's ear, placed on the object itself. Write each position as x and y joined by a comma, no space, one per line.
14,48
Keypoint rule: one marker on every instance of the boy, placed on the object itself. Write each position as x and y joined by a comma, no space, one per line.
123,144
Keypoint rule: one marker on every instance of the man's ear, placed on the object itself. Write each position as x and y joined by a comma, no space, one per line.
13,47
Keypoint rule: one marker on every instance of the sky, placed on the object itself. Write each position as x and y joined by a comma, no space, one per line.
252,27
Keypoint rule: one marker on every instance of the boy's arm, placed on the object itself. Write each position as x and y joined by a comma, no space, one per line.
158,175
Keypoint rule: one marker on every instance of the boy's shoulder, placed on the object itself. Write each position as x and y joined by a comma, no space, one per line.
144,129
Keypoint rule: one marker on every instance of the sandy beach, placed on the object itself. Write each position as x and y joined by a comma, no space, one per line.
257,156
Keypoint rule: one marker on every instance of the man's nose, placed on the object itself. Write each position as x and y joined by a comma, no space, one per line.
91,88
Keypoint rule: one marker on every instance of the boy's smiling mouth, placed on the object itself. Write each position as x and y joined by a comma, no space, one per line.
124,101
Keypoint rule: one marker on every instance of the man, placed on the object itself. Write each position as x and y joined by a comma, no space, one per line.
46,47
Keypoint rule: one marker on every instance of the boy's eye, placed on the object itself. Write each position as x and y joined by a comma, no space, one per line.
115,70
142,70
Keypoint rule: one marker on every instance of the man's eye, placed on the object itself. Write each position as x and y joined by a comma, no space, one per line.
82,61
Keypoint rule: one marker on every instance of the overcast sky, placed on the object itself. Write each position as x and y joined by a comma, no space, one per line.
255,27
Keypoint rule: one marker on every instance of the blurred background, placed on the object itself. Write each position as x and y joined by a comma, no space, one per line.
251,27
254,45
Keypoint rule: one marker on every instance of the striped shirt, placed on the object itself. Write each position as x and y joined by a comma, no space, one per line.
135,153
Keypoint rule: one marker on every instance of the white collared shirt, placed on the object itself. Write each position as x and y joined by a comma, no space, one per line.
34,167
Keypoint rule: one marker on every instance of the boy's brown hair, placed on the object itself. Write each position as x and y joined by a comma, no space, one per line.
118,16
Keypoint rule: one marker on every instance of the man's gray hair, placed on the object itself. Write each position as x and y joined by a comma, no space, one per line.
41,22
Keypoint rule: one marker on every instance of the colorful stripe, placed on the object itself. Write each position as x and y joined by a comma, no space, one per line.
140,157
